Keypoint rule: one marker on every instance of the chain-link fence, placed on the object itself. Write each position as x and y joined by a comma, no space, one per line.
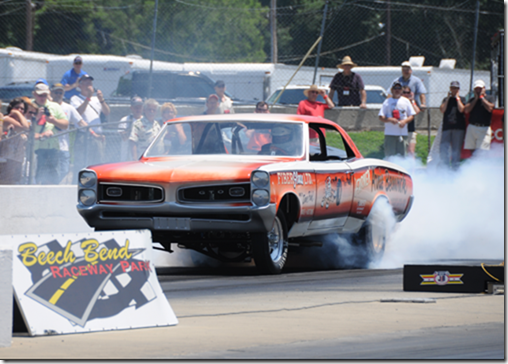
255,46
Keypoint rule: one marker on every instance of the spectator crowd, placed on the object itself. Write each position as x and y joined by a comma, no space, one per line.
48,138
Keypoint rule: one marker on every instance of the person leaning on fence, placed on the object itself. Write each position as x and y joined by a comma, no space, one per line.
125,126
349,86
75,121
89,146
225,103
12,149
145,129
453,126
396,112
70,79
50,120
479,107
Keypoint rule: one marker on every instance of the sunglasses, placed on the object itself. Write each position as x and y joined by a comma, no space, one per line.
406,92
78,62
19,107
397,88
313,92
32,112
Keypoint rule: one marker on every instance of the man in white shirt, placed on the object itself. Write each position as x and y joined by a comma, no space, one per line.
396,113
90,150
225,103
75,120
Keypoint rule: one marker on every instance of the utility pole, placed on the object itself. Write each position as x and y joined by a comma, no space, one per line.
273,29
320,42
29,26
153,47
388,34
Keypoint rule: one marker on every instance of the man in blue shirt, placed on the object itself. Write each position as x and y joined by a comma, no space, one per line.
70,79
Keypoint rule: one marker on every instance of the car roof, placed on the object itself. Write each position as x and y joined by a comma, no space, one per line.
257,117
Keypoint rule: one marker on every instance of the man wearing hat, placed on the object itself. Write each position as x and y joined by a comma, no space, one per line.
125,127
479,107
313,107
418,89
50,120
57,93
453,125
396,112
70,79
225,103
349,86
90,108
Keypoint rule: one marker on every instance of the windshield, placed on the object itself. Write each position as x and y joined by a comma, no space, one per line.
231,137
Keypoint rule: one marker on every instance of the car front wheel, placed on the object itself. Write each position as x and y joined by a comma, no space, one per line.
270,250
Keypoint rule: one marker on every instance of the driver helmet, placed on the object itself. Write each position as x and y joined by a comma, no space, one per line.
281,134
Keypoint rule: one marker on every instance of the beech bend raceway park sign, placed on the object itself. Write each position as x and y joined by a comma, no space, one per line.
74,283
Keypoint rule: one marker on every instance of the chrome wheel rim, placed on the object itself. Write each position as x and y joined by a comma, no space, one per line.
378,233
276,241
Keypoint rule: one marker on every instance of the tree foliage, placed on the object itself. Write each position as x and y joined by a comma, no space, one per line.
239,30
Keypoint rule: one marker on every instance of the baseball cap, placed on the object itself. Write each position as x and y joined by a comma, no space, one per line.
219,84
86,77
455,84
479,83
396,83
78,59
42,80
57,86
406,64
136,100
41,88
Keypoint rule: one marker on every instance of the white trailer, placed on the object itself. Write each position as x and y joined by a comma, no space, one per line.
17,65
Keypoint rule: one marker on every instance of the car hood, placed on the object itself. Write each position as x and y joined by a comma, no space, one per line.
179,170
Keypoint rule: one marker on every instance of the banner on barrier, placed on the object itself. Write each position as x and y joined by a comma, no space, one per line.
74,283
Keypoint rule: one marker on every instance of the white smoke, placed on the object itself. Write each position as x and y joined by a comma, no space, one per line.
456,215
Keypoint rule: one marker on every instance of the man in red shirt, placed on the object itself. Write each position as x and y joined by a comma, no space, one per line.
311,106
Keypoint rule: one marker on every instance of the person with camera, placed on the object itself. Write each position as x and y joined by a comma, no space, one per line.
49,121
479,107
454,126
92,143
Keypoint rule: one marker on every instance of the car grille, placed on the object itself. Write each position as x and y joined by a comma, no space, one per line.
130,193
219,193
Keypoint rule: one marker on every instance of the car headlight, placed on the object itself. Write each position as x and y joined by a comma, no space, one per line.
87,197
87,179
260,197
260,179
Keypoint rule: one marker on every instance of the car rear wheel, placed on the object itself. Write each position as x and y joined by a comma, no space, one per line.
270,250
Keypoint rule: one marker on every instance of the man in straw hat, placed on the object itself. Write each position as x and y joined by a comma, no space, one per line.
349,85
311,106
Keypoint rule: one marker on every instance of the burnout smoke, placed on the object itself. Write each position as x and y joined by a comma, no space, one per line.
456,215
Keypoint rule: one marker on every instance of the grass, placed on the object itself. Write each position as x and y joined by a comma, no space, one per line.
371,144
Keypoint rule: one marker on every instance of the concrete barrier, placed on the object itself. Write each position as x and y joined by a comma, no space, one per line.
350,118
6,296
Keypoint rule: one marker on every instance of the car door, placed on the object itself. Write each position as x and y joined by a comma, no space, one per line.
334,178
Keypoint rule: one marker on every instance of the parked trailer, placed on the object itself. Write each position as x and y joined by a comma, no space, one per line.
21,66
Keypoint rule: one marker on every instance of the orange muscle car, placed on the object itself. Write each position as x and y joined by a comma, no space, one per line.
243,186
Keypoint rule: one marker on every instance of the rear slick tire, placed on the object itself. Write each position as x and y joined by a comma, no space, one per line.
270,250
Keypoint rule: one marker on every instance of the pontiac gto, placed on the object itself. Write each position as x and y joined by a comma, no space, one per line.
248,185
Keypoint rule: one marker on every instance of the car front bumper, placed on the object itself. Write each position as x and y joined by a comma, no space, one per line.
170,216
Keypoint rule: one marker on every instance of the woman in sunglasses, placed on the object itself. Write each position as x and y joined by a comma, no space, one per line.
15,119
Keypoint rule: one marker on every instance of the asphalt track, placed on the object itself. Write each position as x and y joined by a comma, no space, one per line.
234,313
